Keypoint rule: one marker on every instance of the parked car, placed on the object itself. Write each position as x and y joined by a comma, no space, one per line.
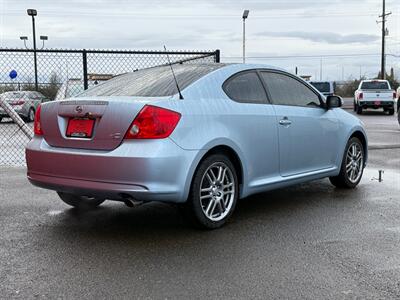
236,130
327,88
24,103
374,94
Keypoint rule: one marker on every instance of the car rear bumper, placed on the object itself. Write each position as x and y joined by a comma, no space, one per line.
375,105
146,170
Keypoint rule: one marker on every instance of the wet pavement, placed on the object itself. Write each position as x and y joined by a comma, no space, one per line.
308,241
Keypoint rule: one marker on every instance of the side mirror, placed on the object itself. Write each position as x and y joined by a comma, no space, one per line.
333,101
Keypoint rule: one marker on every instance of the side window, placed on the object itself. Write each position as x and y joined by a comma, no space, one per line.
245,87
285,90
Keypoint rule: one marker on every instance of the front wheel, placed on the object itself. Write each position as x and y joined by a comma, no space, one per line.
213,193
80,202
352,166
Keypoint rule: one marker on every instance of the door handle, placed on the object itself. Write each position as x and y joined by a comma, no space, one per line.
285,122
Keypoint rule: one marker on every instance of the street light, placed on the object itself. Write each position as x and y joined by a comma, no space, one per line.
244,17
24,38
33,13
43,38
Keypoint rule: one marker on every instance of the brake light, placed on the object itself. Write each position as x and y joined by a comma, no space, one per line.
153,123
394,95
360,96
37,127
19,102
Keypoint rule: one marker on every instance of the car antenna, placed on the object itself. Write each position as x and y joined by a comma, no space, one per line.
173,74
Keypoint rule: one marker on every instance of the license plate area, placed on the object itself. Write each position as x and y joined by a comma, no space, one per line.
80,128
377,102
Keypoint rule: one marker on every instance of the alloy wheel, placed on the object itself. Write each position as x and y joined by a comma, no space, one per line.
217,191
354,162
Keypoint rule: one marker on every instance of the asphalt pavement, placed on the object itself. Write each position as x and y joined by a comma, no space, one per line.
308,241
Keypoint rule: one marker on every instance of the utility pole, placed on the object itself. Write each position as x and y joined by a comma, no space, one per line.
244,17
383,56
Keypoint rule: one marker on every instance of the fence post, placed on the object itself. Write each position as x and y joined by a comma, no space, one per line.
217,56
16,118
85,76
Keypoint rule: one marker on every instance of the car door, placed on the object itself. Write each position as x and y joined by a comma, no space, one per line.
308,133
255,128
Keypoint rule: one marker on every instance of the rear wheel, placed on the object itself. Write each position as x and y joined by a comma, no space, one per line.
354,106
1,118
391,111
352,166
81,202
359,110
398,115
213,193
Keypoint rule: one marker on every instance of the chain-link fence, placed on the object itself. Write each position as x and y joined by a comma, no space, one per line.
27,79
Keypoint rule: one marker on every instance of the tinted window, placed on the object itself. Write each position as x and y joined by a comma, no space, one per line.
286,90
246,87
374,85
152,82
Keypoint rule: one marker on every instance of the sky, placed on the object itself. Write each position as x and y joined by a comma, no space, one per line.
327,39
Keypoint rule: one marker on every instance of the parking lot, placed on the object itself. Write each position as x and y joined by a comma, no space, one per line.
308,241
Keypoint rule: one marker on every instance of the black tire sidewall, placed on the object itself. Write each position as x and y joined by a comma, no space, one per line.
193,203
79,201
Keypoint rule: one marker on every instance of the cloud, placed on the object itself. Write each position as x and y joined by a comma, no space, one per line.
323,37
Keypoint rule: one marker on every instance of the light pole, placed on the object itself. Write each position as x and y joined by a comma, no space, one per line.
244,17
33,13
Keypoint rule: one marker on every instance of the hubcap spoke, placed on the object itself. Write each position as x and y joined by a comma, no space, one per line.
217,191
354,162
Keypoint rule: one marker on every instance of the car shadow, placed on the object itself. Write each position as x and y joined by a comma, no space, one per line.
114,221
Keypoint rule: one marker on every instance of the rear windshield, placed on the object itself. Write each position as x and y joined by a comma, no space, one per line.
374,85
13,95
152,82
323,87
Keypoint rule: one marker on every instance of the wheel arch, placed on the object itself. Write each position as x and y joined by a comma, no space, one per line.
362,137
233,154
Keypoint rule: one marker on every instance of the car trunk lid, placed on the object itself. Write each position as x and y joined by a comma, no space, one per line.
105,120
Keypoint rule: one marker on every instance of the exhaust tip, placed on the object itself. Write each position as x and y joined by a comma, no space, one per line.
130,201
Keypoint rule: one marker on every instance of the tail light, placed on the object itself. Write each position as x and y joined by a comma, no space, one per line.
37,126
394,95
360,96
18,102
153,123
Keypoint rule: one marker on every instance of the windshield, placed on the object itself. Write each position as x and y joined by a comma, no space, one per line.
323,87
375,85
152,82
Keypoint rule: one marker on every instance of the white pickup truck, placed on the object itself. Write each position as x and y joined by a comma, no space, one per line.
374,94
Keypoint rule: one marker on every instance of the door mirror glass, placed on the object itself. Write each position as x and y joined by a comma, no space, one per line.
333,101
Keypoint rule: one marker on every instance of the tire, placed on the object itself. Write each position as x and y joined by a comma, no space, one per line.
359,110
80,202
354,106
398,116
1,118
212,207
31,115
390,111
353,160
